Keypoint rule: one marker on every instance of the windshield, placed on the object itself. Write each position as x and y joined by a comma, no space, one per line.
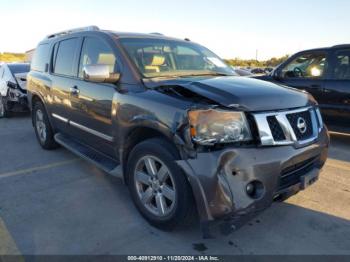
19,68
170,58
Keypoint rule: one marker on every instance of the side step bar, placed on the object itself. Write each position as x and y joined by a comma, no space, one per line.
99,159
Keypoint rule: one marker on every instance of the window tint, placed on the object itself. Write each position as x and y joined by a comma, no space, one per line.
64,64
310,65
40,58
96,51
341,69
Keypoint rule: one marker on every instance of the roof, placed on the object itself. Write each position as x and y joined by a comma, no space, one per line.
341,46
325,48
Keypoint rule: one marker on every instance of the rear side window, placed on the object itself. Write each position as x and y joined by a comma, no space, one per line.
40,58
341,69
65,57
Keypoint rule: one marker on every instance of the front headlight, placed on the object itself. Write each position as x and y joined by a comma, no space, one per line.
211,126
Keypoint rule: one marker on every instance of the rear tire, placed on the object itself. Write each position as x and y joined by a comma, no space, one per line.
3,108
42,127
158,186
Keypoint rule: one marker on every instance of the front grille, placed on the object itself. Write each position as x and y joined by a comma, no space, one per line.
276,129
291,175
299,127
305,117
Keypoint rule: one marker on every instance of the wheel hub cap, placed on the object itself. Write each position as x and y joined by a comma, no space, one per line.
155,186
40,125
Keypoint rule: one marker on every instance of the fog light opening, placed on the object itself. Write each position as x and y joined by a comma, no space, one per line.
255,189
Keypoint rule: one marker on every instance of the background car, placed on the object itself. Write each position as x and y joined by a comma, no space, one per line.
13,91
325,73
258,71
241,71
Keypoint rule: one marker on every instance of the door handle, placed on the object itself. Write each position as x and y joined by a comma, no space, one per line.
74,90
315,86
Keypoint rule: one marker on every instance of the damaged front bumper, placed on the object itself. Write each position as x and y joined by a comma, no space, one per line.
219,179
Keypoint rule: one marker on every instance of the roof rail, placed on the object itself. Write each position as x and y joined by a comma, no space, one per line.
74,30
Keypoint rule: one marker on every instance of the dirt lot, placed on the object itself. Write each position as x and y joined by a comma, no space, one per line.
54,203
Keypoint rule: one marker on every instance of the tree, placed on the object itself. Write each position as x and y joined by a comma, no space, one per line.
254,63
12,57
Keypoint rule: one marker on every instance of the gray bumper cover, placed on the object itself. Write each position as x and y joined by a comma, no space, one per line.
219,178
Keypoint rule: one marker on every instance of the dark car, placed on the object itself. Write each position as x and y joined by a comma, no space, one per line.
325,73
169,118
258,71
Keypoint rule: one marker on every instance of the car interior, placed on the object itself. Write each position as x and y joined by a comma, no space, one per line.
305,66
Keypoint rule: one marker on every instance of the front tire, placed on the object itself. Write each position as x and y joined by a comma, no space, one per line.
158,186
42,127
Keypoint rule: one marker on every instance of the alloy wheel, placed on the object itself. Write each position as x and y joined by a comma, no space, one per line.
155,186
40,125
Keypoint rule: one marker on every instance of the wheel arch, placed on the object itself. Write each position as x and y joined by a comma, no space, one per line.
142,133
34,98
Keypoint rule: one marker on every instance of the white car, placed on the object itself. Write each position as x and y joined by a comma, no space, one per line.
13,91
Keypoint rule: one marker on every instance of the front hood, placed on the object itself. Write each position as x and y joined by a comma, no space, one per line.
21,79
240,92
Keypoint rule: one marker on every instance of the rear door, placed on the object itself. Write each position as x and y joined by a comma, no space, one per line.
306,71
336,92
64,71
92,104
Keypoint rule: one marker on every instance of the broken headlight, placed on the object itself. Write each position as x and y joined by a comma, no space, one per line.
211,126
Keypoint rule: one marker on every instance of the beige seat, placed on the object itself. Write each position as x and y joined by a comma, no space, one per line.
107,59
154,67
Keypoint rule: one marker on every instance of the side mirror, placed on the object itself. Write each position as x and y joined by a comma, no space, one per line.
11,84
99,74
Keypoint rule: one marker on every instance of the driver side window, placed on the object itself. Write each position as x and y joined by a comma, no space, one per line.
94,52
310,65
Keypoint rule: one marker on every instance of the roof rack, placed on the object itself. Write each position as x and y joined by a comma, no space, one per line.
74,30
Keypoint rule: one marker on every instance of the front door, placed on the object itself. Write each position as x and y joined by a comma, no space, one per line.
92,102
336,102
306,72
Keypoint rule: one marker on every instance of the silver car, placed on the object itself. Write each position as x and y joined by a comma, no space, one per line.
13,91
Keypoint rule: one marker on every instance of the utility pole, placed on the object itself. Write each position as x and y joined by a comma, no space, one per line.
256,55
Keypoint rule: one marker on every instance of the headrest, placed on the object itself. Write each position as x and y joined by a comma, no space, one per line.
158,60
106,59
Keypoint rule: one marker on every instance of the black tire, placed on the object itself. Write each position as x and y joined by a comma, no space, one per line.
183,211
47,142
3,108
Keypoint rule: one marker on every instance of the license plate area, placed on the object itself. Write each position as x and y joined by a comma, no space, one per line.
308,179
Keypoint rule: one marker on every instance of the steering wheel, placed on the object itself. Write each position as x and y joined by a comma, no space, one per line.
298,72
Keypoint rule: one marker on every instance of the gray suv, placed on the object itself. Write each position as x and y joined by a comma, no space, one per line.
170,118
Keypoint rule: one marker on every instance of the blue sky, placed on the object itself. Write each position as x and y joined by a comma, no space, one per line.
229,28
